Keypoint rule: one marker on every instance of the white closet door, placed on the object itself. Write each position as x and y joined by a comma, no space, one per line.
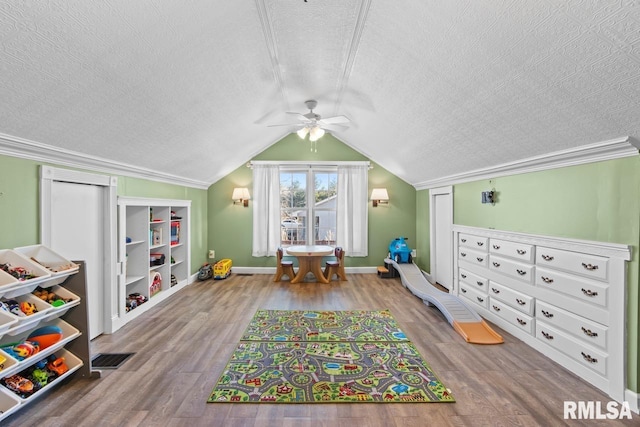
77,215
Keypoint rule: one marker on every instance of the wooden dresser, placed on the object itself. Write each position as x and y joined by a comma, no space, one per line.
564,297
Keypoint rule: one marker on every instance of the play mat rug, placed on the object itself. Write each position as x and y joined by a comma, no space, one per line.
327,356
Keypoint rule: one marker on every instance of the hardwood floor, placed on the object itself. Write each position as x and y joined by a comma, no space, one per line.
182,347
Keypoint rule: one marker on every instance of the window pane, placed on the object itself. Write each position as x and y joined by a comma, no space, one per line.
293,190
325,184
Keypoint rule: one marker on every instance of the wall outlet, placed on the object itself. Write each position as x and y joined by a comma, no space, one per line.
212,254
413,253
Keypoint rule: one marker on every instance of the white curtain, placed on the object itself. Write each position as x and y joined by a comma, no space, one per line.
266,210
351,226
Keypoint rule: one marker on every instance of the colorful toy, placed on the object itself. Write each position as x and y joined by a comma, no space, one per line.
19,384
50,297
57,365
205,272
156,284
28,308
40,377
25,349
46,336
399,251
222,269
13,307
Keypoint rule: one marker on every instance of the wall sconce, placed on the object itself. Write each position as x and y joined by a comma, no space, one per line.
379,195
241,196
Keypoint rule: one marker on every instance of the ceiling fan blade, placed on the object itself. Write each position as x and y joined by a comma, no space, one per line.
334,128
284,124
300,116
335,120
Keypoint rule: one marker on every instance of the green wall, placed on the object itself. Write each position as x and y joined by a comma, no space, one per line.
597,201
230,226
20,207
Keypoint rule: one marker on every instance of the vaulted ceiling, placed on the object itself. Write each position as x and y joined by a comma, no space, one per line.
432,87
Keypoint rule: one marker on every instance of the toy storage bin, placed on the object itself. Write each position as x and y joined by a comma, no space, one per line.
7,282
7,321
60,310
8,364
69,333
9,402
27,322
59,267
15,259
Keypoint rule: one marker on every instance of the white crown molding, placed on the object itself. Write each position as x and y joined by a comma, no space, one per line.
606,150
26,149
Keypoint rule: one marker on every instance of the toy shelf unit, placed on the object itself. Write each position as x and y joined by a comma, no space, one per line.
43,325
153,253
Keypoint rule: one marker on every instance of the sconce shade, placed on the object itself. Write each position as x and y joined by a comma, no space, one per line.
241,195
379,195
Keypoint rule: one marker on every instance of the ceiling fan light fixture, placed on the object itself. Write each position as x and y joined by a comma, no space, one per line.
302,133
315,133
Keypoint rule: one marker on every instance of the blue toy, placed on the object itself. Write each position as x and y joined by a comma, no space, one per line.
399,251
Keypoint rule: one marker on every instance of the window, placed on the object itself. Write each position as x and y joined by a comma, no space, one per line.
308,206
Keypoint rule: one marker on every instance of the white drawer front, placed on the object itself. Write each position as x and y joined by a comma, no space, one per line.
474,296
520,251
474,242
473,256
478,282
592,266
519,301
590,332
512,316
581,288
511,268
584,354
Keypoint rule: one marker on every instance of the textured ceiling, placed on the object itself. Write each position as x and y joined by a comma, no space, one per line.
434,88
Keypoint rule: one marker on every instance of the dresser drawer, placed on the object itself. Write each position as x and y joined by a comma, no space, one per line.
519,301
581,288
592,266
590,332
478,282
520,251
519,270
474,296
474,242
512,316
572,347
473,256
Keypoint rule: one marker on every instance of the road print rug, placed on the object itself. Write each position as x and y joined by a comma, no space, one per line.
327,356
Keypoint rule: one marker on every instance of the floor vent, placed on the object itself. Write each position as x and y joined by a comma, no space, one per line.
244,274
109,360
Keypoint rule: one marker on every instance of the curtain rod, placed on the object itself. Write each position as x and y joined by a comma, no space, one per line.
308,163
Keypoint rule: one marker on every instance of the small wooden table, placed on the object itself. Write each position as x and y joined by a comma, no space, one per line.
309,261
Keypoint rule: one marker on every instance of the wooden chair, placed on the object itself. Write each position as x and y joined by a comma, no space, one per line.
283,267
336,266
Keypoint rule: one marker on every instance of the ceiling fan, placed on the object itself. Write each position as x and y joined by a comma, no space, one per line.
313,124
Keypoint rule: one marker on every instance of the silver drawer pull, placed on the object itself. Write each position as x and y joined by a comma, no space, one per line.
519,301
496,247
463,254
547,314
495,291
480,259
521,272
546,279
464,291
463,240
480,299
590,267
496,308
496,264
589,292
521,251
588,358
546,335
589,333
480,243
522,322
479,283
546,257
464,276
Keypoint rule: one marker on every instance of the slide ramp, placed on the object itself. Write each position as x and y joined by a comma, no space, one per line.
463,318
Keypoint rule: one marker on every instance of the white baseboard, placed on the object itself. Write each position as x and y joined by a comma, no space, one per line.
634,400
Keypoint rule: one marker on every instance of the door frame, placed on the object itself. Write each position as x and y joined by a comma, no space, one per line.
433,193
48,175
